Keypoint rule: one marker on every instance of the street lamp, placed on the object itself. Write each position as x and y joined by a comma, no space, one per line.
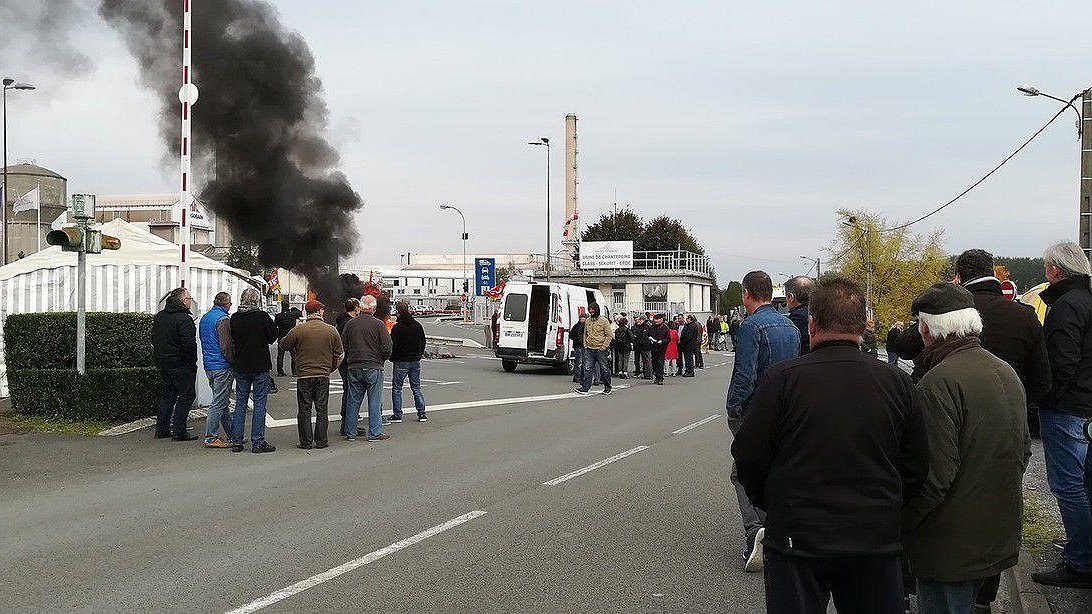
546,142
818,265
9,84
1028,90
853,223
466,280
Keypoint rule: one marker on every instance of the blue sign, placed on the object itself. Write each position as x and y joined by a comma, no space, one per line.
485,275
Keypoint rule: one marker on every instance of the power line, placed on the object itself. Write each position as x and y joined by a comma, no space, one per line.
987,175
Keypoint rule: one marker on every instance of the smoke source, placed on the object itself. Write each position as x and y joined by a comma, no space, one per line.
257,127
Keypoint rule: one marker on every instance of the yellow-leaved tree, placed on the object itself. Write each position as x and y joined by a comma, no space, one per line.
903,263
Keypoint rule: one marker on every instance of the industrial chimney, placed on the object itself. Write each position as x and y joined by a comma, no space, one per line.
572,216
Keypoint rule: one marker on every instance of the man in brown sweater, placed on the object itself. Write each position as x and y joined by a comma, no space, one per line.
316,353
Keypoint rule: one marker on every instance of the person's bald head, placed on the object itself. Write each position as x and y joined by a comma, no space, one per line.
798,291
368,303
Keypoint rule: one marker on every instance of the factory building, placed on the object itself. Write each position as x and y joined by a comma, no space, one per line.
23,229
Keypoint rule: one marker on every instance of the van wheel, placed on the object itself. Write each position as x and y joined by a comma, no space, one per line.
509,365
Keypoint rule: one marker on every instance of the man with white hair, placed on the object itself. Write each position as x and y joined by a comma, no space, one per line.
367,346
1068,404
252,332
964,525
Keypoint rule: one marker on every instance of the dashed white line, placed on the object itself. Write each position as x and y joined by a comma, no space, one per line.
695,425
593,466
344,568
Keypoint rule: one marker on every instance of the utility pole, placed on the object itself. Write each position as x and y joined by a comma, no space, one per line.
1085,228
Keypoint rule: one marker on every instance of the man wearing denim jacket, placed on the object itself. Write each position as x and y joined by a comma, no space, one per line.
766,337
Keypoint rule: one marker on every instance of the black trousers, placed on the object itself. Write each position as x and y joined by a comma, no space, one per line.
280,357
658,365
988,593
699,362
312,392
179,392
637,361
858,584
687,361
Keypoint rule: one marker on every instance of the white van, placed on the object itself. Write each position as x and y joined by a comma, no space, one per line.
535,321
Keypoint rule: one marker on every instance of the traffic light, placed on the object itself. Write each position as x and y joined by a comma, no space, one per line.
70,239
76,239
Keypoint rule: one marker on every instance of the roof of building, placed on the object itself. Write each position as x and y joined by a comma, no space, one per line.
33,170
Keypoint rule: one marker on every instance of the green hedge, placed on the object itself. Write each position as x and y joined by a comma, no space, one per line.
121,382
109,394
48,340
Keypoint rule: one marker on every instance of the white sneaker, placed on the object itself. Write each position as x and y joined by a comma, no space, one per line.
754,560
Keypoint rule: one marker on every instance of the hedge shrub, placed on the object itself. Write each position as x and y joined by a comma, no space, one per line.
121,382
100,394
48,340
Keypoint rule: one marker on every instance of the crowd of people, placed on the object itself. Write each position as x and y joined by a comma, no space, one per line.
660,346
861,482
235,353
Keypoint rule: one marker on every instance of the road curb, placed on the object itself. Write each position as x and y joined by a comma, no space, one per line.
1027,596
466,343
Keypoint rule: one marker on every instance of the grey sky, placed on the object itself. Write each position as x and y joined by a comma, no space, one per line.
751,123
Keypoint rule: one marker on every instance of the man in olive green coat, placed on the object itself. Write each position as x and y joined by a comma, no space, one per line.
965,524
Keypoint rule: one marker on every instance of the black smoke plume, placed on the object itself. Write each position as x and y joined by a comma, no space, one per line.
258,126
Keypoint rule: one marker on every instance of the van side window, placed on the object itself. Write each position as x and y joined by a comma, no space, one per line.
515,308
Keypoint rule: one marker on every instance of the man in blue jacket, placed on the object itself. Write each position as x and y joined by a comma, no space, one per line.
215,333
765,338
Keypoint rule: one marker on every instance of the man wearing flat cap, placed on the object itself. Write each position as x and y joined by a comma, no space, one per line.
964,525
316,353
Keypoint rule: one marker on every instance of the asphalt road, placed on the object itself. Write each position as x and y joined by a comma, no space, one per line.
132,524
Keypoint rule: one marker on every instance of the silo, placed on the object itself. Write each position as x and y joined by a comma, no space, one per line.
23,226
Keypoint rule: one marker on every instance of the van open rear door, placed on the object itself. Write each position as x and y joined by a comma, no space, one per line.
555,332
513,324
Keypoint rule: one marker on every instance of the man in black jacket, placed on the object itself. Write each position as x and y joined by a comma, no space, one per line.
623,347
642,351
832,481
252,332
657,337
174,339
407,350
286,320
1066,407
797,294
1011,332
689,345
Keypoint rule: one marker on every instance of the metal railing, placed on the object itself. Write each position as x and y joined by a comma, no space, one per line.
678,260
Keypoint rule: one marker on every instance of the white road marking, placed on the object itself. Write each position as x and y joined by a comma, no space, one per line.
271,422
344,568
594,466
695,425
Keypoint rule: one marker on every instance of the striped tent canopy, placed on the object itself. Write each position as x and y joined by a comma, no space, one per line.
132,279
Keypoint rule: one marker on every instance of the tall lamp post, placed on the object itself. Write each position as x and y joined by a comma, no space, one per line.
546,142
853,223
1084,135
818,265
9,84
466,280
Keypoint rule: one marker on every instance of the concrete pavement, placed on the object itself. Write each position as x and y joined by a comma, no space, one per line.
131,524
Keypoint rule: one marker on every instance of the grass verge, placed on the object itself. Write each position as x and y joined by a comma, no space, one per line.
1040,528
47,424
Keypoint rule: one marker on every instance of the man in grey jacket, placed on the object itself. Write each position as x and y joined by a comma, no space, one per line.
367,346
964,525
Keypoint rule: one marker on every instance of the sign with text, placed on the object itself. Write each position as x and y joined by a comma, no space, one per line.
82,206
606,254
485,275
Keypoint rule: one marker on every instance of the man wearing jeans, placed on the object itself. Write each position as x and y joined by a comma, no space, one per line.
765,338
1068,333
252,331
408,347
215,332
597,338
367,346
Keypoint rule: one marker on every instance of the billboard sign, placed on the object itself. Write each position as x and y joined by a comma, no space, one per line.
606,254
485,275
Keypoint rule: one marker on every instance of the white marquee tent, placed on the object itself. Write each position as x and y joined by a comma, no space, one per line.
133,278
